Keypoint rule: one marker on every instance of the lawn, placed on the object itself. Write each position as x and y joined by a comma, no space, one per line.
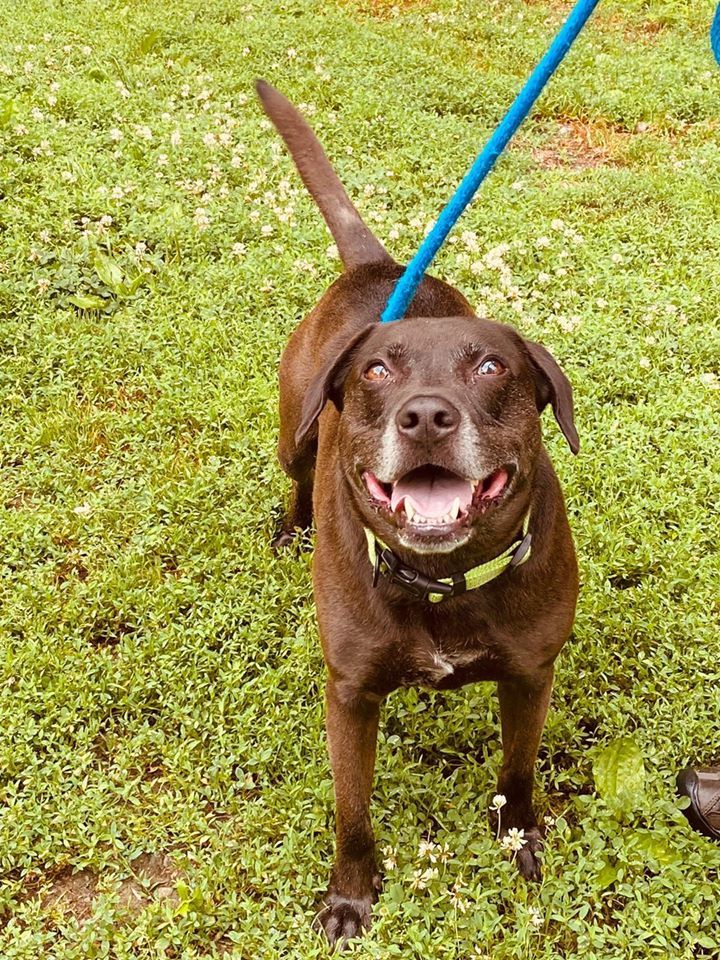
164,786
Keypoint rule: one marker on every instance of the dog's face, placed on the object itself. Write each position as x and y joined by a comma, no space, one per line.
439,424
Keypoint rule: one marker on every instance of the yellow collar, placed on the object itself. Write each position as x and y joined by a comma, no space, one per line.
387,564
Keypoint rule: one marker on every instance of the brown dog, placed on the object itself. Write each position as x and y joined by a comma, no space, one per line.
444,554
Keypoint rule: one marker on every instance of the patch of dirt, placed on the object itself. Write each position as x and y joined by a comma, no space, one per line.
579,145
154,876
642,31
72,893
70,568
20,501
109,632
384,9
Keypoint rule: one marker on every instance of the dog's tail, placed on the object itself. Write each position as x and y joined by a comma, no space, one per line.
356,244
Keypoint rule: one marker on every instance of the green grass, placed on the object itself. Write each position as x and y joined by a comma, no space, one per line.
161,681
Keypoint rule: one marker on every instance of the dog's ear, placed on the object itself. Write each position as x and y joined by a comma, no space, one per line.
328,382
553,387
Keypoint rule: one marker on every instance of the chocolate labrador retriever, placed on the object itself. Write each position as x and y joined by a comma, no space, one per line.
443,554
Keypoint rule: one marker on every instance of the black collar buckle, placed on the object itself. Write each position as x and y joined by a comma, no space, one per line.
388,565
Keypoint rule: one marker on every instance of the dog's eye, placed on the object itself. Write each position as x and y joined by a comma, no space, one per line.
377,371
491,367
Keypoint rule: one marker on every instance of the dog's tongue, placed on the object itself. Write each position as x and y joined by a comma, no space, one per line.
432,491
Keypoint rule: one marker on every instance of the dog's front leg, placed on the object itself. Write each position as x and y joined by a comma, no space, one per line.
523,708
352,722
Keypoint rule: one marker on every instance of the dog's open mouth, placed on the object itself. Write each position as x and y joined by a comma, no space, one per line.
433,499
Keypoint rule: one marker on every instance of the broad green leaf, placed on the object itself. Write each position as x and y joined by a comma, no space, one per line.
619,772
7,111
85,302
149,41
607,876
653,848
108,271
131,287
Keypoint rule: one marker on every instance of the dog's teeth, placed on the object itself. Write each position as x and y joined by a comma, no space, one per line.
409,510
454,509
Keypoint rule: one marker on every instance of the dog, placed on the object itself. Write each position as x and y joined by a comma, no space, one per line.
443,553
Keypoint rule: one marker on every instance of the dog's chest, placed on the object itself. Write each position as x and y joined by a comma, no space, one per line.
446,665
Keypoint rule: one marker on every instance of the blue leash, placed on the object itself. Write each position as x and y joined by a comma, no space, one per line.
410,280
408,283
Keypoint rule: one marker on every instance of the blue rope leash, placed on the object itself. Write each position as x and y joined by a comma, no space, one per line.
715,35
408,283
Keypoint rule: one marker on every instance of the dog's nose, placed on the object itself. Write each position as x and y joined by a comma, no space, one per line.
427,418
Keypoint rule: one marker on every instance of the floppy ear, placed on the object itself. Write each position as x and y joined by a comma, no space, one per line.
553,387
328,382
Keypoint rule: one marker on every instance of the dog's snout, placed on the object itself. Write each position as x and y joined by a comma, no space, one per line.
427,418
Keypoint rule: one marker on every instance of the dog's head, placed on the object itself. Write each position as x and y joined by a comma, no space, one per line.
439,426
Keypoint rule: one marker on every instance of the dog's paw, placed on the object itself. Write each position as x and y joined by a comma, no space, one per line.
344,918
528,863
282,539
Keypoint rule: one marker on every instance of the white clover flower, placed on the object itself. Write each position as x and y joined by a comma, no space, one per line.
421,878
202,219
616,258
710,380
469,238
428,850
390,855
176,138
542,242
536,917
513,840
457,899
115,135
498,802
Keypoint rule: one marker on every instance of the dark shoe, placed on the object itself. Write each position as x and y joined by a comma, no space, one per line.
702,786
